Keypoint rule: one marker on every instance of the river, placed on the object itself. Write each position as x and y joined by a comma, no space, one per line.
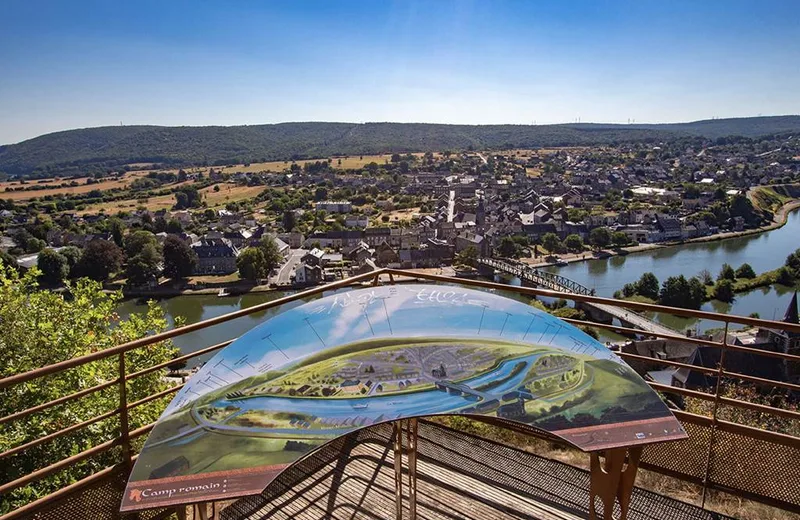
763,252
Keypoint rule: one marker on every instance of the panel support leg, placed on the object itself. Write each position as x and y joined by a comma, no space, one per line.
398,469
411,430
612,481
201,511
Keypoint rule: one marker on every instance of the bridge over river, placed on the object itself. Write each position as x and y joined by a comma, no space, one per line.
554,282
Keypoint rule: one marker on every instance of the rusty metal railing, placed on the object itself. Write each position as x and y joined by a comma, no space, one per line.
125,436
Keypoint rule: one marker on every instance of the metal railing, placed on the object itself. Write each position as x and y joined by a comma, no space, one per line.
713,427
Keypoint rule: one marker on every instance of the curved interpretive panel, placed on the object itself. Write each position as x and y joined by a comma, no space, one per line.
366,356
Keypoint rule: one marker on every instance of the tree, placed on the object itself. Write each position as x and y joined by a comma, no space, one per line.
251,264
44,327
100,259
6,260
467,256
54,267
574,243
726,273
320,194
136,242
159,224
648,286
116,228
73,256
619,239
600,237
723,290
785,276
143,267
793,263
551,242
507,247
174,226
697,293
677,291
187,197
272,256
179,259
745,271
705,276
289,221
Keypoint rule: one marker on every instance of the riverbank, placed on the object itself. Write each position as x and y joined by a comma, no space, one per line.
779,220
240,289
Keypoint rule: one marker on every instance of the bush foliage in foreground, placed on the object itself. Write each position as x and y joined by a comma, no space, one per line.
39,328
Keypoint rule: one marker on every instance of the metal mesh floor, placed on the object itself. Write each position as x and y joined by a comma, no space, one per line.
458,477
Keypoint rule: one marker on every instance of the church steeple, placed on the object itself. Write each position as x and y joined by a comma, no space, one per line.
791,311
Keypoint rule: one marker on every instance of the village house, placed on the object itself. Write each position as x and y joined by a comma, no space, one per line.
334,206
215,256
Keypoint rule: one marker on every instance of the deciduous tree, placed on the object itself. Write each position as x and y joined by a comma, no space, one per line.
600,237
745,271
251,264
100,259
574,243
45,327
179,259
269,248
54,267
551,242
143,267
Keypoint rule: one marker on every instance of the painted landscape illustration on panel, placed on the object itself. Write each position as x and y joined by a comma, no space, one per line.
374,355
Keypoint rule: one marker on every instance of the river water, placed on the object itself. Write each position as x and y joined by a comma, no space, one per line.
764,252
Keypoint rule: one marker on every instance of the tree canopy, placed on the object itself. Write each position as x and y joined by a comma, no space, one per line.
600,237
251,264
100,259
179,259
272,256
677,291
54,267
44,327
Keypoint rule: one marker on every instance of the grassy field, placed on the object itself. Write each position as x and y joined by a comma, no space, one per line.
82,187
395,216
228,193
337,162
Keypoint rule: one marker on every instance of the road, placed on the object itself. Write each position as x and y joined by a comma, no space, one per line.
635,319
283,277
451,205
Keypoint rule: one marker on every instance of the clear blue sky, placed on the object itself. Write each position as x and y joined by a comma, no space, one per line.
81,63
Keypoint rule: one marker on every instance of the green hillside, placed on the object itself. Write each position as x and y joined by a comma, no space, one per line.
75,151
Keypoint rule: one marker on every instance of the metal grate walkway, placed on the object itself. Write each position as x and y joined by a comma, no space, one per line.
459,477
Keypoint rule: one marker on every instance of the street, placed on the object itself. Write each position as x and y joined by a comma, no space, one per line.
283,277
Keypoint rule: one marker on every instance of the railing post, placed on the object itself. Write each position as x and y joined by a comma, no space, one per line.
714,424
124,427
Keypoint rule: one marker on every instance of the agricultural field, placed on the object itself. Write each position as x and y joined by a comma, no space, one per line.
228,193
105,184
337,162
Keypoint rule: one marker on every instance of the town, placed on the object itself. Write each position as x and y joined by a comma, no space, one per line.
299,223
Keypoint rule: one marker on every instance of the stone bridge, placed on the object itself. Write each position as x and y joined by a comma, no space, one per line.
602,313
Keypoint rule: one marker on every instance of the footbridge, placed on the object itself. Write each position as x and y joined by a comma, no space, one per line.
597,311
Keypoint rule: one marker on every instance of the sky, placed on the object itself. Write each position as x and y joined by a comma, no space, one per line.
75,64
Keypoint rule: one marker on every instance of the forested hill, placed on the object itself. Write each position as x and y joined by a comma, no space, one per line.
84,150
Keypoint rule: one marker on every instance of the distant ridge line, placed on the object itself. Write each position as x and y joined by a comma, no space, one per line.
81,150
